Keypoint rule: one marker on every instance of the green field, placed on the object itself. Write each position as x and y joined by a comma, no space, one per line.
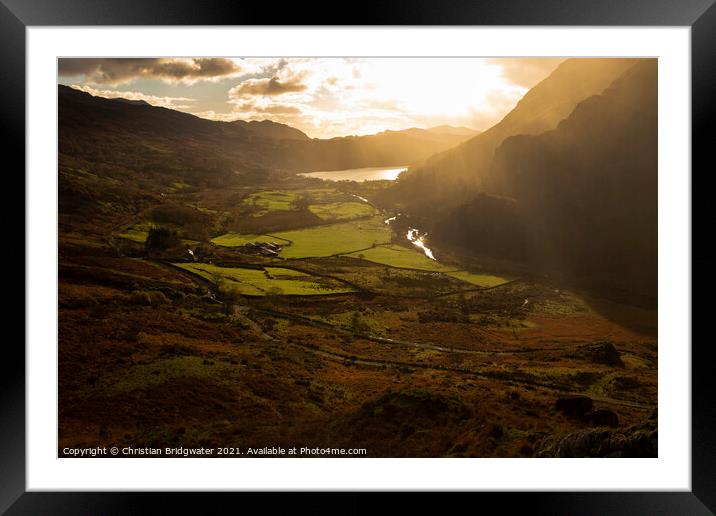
271,280
272,200
335,239
137,232
135,235
402,257
179,185
398,256
239,239
323,194
342,210
481,280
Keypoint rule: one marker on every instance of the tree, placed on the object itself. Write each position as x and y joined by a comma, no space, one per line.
160,239
302,202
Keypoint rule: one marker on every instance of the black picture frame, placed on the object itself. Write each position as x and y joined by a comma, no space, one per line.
700,15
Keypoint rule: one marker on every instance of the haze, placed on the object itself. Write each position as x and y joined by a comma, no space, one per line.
325,97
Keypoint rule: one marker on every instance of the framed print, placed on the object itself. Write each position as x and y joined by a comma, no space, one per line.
443,249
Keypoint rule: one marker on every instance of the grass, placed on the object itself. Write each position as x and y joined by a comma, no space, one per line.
151,375
135,235
402,257
335,239
137,232
398,256
271,280
354,320
342,210
239,239
272,200
179,185
323,194
481,280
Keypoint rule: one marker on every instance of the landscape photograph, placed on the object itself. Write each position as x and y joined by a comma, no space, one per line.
357,257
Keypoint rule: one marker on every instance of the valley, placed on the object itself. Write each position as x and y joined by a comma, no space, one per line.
439,292
338,333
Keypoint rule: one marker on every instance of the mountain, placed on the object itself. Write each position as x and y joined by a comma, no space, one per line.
449,129
140,132
451,177
440,134
385,148
270,129
130,101
113,153
579,202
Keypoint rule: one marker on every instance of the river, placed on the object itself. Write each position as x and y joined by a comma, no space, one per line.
418,240
359,174
414,237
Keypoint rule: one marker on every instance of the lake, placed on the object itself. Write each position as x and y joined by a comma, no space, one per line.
358,174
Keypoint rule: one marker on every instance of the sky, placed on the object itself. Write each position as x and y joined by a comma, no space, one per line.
323,97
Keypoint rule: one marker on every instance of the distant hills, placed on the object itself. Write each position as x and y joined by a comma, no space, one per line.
272,130
446,134
149,132
115,154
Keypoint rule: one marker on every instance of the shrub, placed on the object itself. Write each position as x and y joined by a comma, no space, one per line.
161,239
179,215
148,298
192,300
157,298
140,297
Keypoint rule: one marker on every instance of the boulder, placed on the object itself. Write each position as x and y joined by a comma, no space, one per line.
637,441
602,352
575,406
604,417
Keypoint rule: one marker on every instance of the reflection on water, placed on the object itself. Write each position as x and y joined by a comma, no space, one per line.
358,174
414,237
418,240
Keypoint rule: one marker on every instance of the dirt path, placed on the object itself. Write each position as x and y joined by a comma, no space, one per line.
486,375
385,340
240,314
482,375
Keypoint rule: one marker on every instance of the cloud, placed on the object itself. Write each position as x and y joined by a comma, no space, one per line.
274,109
336,96
213,115
326,97
270,87
252,111
171,70
167,102
526,71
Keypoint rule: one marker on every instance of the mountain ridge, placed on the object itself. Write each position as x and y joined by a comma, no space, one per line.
449,178
579,202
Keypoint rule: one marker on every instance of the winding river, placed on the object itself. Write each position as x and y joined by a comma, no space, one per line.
413,235
418,240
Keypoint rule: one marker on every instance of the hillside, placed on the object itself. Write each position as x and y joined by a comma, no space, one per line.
580,201
450,178
151,132
114,154
209,296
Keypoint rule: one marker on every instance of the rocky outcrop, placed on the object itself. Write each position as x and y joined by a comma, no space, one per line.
603,417
575,406
602,352
636,441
